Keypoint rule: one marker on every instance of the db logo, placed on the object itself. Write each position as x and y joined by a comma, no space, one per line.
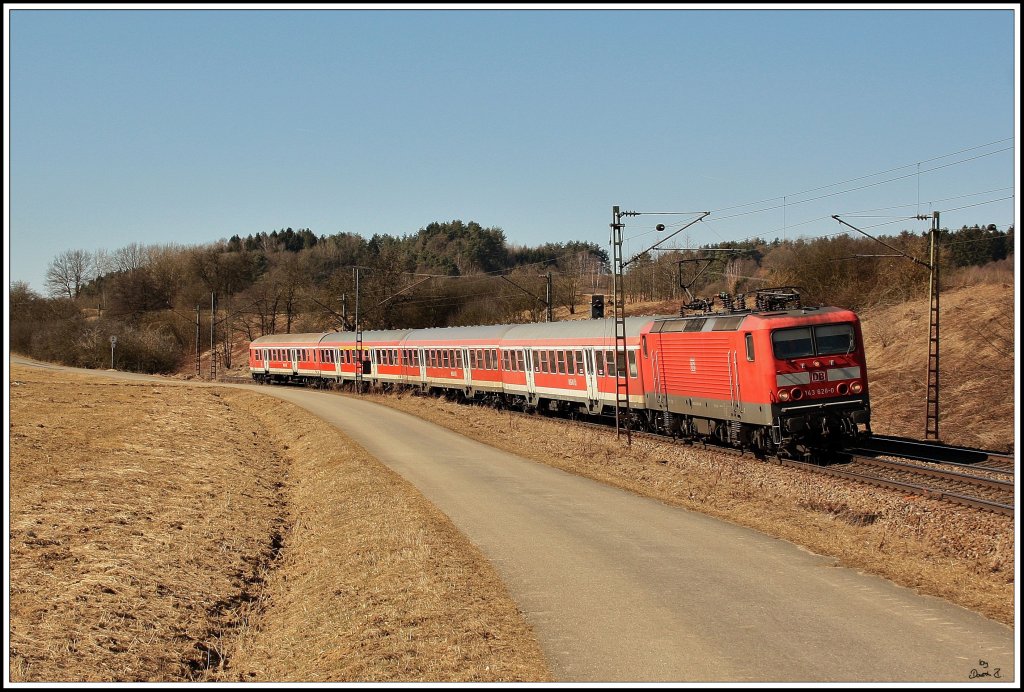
817,376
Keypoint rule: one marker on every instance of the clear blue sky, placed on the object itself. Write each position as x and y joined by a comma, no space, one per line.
187,126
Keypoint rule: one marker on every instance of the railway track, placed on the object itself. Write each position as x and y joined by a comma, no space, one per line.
935,453
944,475
992,495
863,465
988,494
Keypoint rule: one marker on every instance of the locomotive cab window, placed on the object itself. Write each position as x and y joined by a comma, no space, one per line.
823,340
833,339
750,346
792,343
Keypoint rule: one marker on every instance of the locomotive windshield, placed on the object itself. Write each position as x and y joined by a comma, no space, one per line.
831,339
822,340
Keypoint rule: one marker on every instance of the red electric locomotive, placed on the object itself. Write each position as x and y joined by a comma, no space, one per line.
791,379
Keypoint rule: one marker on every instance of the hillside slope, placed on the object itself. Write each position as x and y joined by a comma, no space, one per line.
976,366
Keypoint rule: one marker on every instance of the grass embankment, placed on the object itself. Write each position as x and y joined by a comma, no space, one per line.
174,533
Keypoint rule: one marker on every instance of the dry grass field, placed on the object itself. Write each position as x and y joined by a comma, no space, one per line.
163,532
168,532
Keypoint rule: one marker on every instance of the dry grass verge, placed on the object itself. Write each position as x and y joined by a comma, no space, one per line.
138,527
375,583
963,555
176,533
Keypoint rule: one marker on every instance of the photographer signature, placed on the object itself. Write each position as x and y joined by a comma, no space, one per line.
982,671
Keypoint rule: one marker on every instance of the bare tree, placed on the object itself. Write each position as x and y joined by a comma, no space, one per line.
68,273
131,257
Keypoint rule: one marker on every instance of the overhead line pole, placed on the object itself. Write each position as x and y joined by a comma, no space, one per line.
931,421
619,311
198,356
213,324
619,307
359,340
547,303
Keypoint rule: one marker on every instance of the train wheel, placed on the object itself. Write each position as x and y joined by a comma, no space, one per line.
762,445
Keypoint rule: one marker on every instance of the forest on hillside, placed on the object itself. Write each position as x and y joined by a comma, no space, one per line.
164,303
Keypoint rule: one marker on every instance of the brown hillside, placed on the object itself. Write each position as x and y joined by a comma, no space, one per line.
976,366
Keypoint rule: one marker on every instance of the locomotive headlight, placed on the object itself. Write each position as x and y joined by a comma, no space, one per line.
796,394
783,395
817,363
856,388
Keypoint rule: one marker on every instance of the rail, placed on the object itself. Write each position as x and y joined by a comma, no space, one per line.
937,453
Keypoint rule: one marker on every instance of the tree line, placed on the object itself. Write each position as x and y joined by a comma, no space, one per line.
447,274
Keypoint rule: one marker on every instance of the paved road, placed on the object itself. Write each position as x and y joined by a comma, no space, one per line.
622,588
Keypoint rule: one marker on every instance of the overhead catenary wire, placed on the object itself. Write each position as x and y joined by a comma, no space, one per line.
788,201
850,214
872,175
